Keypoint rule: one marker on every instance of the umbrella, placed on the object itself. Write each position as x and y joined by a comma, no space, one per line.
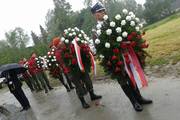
17,68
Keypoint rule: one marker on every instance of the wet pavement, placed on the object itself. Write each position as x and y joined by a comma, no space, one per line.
60,105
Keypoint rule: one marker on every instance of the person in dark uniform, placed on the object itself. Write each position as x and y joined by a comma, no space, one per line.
131,92
14,86
82,82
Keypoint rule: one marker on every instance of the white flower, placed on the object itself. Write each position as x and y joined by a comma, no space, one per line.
85,35
49,64
133,16
132,23
101,56
128,18
54,57
45,56
119,39
69,29
97,41
76,28
52,52
47,60
49,53
74,33
62,39
123,22
77,39
118,29
141,25
57,65
98,32
137,28
131,13
98,26
82,31
70,34
87,38
36,58
67,41
37,61
118,17
107,45
125,11
105,17
137,20
72,30
124,34
80,35
66,31
82,41
108,31
85,42
112,24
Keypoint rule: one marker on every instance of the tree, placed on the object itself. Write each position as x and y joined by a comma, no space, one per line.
35,38
44,35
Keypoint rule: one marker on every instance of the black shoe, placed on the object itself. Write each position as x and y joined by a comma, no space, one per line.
137,107
83,102
94,96
46,91
68,90
144,101
51,88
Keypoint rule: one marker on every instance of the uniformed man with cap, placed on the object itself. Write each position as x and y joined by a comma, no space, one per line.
134,95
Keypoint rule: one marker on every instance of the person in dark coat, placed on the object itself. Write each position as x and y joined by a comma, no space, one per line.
14,86
131,92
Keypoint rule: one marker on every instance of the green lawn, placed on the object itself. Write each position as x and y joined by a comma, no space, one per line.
164,40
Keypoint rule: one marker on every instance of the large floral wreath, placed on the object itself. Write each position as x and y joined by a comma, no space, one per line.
115,38
76,39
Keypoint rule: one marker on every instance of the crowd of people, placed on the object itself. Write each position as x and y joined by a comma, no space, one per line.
37,80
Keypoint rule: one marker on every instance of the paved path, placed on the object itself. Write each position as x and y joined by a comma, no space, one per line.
60,105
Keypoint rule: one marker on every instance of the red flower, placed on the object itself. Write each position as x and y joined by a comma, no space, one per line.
129,37
139,37
74,61
122,45
114,57
133,34
72,48
66,55
116,50
64,48
133,43
119,63
66,70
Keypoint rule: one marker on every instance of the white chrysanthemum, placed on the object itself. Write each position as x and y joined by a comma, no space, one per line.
72,30
57,65
118,17
84,35
112,24
74,33
131,13
80,35
69,29
47,60
108,31
123,22
101,56
141,25
125,11
82,41
97,41
132,23
128,18
67,41
118,29
87,38
98,26
105,17
45,56
54,57
36,58
107,45
37,61
49,64
62,39
52,52
70,34
137,28
119,39
52,60
98,32
124,34
137,20
76,28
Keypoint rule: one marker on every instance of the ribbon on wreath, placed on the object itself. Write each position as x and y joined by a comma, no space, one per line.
133,67
79,59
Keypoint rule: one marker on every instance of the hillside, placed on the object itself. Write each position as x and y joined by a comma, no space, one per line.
164,40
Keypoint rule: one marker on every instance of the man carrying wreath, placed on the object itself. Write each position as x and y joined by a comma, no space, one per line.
130,88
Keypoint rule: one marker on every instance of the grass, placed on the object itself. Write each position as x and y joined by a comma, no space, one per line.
164,40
